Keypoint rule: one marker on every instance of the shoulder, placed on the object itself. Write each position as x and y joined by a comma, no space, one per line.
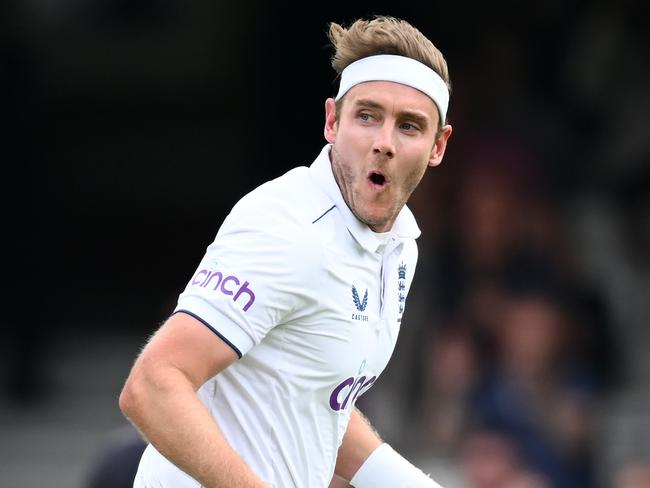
277,218
289,202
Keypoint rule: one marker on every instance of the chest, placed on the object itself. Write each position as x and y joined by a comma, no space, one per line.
346,337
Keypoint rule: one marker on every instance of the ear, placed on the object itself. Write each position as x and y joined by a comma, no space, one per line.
439,147
330,121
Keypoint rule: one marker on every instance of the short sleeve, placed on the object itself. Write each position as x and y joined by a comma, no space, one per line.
252,278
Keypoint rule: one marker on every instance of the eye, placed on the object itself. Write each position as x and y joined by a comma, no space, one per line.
407,126
365,116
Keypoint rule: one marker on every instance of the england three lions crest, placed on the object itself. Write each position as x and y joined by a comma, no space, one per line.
401,289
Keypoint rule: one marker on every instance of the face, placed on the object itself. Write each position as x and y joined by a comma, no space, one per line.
383,140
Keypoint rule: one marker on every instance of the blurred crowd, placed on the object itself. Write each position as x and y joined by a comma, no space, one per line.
520,348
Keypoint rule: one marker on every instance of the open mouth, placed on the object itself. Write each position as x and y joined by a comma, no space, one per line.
377,178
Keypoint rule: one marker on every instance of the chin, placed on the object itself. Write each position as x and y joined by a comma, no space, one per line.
374,215
377,224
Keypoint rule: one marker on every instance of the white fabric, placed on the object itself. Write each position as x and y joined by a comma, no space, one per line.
155,471
398,69
385,468
295,283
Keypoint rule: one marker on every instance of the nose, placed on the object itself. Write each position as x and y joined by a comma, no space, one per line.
384,143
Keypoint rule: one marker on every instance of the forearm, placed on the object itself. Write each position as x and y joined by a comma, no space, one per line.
359,441
367,462
167,410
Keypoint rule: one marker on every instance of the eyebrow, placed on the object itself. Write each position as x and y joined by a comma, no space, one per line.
417,117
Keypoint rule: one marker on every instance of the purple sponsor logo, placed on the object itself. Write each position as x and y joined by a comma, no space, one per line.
226,285
348,391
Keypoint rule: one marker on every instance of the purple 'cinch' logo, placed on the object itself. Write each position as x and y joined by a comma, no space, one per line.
205,278
357,385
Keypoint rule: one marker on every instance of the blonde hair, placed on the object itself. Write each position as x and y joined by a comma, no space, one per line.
384,35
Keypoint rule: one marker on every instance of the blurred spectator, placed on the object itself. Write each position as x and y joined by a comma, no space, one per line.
539,394
116,463
451,369
634,475
505,228
489,459
499,217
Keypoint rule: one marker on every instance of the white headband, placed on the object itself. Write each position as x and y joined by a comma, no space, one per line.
399,69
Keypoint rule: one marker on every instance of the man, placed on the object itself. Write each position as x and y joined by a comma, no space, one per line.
295,309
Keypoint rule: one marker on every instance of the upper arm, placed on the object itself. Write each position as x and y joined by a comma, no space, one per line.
187,345
252,277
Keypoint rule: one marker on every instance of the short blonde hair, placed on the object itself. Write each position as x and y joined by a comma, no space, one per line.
384,35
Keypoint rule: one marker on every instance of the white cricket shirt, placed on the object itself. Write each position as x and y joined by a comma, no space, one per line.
311,300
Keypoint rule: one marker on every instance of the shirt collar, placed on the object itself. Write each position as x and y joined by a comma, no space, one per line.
405,225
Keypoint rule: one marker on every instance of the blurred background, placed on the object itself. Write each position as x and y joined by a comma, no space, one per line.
130,128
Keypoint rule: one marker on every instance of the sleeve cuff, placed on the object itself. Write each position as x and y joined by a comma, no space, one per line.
217,321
